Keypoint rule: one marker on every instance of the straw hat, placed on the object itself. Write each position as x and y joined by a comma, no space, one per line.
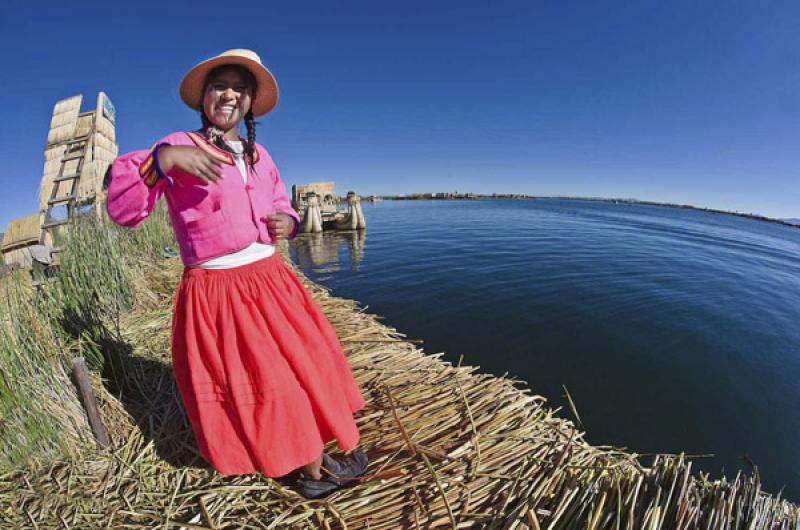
266,96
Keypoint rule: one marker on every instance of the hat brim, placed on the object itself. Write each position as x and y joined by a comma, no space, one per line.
264,100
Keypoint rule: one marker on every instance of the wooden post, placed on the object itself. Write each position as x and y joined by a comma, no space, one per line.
81,374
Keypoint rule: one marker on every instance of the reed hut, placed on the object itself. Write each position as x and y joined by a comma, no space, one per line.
20,235
80,147
324,191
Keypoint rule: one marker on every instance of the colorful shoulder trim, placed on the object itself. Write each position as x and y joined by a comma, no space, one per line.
148,170
211,149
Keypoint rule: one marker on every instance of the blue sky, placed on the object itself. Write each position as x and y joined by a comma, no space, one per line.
688,102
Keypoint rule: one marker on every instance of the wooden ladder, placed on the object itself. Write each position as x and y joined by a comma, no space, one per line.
75,150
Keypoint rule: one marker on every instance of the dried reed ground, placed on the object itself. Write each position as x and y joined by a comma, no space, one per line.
449,448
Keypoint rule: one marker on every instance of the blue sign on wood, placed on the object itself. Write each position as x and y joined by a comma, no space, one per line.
108,109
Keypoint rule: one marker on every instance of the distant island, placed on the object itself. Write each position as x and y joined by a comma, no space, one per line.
451,195
793,222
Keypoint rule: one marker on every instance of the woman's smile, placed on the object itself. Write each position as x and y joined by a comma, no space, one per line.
227,110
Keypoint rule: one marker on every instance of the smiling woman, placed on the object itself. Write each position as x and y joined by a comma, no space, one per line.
263,378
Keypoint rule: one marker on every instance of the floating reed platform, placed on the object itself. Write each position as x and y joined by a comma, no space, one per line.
449,448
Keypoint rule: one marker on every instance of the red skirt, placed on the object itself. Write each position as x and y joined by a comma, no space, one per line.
259,367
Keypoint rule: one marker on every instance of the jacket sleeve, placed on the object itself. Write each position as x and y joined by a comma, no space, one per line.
134,189
281,203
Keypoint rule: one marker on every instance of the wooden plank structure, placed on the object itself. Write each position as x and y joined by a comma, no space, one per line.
80,147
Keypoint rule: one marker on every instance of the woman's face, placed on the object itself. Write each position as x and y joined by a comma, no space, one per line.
227,98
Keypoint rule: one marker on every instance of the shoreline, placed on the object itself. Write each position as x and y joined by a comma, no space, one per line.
522,196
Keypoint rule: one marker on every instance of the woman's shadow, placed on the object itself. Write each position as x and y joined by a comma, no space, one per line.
144,385
146,388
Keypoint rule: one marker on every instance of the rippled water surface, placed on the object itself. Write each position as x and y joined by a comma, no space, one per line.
673,329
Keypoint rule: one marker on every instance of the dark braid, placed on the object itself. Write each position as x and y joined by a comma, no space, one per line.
250,143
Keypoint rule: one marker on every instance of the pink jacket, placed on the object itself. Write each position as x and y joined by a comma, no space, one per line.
209,220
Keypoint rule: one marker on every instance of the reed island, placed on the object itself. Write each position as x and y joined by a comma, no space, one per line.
450,447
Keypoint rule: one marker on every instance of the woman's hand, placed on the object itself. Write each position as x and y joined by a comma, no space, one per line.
280,225
192,160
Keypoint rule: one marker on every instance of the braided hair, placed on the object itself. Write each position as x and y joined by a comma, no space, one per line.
250,143
215,136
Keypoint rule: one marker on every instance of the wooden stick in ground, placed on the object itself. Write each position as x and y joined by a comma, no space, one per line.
81,375
411,445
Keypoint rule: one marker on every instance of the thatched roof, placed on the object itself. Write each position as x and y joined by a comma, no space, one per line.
22,231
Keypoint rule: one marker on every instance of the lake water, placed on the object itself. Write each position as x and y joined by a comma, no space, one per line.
673,329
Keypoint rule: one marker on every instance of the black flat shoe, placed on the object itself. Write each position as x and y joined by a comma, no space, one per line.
343,469
337,472
314,489
289,479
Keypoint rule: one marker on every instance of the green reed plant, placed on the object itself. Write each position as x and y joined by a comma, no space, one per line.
92,288
40,411
94,278
148,241
77,314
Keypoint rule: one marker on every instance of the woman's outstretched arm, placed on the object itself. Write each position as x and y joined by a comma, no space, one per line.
134,189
